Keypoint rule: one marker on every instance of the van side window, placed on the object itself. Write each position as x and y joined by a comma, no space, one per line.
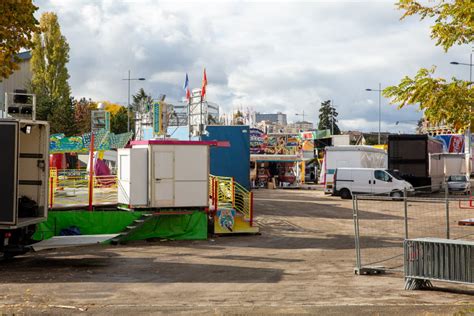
381,175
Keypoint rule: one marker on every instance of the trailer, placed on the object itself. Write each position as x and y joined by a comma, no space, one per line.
416,159
349,156
24,183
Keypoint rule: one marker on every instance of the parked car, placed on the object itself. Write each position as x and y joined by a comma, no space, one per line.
459,183
348,181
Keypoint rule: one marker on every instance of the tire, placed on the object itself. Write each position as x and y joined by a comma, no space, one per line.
396,194
345,194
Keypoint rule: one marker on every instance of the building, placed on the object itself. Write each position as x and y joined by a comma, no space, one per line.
18,80
434,129
276,118
301,126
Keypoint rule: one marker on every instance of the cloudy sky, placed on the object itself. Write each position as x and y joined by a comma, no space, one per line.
265,55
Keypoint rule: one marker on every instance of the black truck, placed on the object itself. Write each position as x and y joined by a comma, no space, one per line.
411,156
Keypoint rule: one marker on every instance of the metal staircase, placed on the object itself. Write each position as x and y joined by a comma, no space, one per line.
136,224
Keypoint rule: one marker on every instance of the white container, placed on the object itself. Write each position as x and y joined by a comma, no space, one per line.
173,174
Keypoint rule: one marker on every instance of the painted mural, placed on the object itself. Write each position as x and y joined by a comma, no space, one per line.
452,143
271,144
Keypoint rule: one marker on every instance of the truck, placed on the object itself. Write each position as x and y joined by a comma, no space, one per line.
24,183
416,159
349,156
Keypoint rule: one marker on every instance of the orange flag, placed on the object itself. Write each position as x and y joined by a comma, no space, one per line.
204,84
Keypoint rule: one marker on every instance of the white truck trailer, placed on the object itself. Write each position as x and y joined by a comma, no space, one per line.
350,156
24,184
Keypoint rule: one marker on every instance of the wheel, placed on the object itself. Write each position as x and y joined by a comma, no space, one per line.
396,194
345,194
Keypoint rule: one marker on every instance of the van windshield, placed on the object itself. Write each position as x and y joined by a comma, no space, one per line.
394,174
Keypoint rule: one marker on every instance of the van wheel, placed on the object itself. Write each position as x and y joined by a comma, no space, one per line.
345,194
396,194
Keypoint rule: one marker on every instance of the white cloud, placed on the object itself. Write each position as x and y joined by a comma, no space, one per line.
265,55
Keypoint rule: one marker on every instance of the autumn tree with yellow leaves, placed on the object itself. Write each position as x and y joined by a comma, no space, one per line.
445,100
17,25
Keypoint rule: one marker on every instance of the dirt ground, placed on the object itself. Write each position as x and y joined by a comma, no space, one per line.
302,263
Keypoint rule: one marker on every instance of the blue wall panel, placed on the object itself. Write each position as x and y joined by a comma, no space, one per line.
233,161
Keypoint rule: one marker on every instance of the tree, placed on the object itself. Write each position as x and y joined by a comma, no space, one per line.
118,121
328,118
142,101
441,100
63,119
82,114
17,25
50,55
454,23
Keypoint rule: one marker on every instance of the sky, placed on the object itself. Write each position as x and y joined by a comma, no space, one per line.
266,56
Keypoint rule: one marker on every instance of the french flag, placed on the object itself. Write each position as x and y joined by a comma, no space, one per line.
186,87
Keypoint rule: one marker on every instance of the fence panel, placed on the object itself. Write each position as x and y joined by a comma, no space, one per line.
382,223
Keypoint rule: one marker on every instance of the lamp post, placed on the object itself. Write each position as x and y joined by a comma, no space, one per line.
128,104
300,114
465,64
379,90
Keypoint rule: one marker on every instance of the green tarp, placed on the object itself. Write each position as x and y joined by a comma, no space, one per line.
177,227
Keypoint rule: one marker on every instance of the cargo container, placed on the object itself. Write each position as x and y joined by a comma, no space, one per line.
415,159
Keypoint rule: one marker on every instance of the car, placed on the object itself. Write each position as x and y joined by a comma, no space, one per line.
459,183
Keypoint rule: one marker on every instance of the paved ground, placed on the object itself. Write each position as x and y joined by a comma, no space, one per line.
301,264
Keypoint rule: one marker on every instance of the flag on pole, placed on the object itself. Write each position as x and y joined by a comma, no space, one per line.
186,87
204,84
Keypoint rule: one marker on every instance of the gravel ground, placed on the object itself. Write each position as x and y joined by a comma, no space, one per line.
302,263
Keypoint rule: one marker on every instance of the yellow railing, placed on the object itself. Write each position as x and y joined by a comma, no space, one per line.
70,187
225,191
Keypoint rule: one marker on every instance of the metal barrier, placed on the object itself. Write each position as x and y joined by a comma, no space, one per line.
428,259
224,191
70,187
382,223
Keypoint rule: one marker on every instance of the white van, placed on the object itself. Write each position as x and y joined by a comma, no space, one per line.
348,181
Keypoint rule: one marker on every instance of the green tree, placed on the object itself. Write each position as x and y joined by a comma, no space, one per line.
328,118
442,100
118,121
50,55
82,114
142,101
63,119
17,25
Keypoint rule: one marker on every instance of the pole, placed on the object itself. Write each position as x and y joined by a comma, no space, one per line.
406,211
447,211
332,119
91,171
128,104
380,108
469,141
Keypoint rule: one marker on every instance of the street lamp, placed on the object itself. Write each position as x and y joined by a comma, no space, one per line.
464,64
300,114
128,105
379,90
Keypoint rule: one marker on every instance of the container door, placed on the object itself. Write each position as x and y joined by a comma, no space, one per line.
191,176
163,178
8,172
133,176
